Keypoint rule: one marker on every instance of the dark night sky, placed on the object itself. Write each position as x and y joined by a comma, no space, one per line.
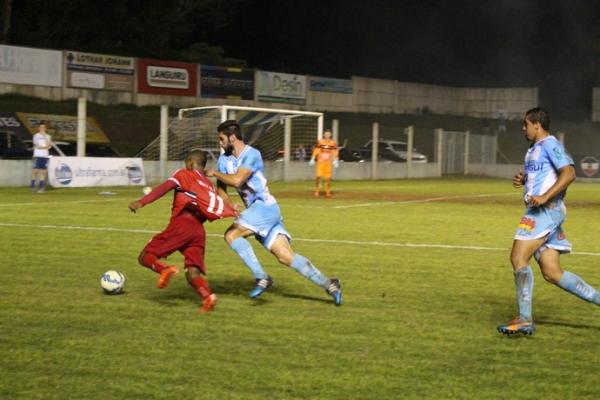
552,44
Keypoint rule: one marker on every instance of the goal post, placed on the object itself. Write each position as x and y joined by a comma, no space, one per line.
282,136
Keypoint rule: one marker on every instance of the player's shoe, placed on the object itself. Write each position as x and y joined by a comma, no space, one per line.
317,193
335,290
42,190
209,303
165,276
517,325
328,195
261,286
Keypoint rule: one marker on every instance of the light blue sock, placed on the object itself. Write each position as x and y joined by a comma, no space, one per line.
524,284
574,284
244,249
309,271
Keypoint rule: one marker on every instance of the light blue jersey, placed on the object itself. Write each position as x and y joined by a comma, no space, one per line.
543,161
255,188
262,215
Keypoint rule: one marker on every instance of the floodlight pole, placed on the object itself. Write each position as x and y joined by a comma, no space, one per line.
466,162
335,127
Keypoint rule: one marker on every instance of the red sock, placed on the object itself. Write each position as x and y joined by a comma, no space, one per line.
151,261
201,286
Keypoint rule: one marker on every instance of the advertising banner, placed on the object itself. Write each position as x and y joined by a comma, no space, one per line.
281,88
11,124
167,77
95,171
99,71
226,83
27,66
63,127
320,84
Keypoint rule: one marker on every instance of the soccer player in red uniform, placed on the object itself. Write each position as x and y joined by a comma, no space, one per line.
195,200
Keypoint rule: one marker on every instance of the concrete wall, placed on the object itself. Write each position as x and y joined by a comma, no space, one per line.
369,95
18,172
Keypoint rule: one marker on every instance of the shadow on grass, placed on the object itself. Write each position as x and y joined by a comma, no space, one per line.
174,295
566,324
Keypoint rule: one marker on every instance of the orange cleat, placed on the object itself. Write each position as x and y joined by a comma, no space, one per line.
517,325
165,276
209,303
317,193
328,195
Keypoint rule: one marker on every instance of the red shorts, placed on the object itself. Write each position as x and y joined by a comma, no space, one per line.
185,233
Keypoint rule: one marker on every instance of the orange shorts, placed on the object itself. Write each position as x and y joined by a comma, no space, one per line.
324,169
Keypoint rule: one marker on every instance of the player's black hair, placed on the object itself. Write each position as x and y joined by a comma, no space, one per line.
199,156
539,115
231,127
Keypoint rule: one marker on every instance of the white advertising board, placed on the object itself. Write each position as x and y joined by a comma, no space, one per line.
95,171
28,66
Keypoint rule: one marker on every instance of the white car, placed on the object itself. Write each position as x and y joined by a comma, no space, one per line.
394,150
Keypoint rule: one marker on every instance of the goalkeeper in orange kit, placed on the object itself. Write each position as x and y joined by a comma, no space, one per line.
326,154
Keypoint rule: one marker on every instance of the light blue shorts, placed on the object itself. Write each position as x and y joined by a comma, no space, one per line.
265,221
539,222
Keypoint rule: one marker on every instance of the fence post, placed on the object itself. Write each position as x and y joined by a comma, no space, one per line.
409,150
439,134
287,144
81,125
335,127
164,141
466,156
374,150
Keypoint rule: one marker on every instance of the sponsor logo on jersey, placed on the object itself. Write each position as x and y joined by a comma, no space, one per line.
63,173
527,224
557,152
532,166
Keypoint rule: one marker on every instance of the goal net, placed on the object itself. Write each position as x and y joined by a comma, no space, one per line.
280,135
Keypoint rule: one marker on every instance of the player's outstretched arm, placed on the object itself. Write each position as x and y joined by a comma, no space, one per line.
236,180
154,195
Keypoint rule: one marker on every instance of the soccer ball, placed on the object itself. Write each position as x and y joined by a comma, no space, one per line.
146,190
112,282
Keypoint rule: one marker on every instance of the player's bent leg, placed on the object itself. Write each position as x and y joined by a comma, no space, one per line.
285,255
200,285
549,260
150,261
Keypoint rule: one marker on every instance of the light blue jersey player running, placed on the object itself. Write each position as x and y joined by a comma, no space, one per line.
241,166
548,172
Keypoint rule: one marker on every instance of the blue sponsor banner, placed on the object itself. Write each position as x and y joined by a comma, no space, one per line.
320,84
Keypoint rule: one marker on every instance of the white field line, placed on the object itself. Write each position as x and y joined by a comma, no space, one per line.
44,203
378,203
331,241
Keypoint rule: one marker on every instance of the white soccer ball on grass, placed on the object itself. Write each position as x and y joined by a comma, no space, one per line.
112,282
146,190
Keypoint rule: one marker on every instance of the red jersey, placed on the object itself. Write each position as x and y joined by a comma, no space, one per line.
194,193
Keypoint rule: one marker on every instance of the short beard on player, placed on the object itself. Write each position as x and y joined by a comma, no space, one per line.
228,149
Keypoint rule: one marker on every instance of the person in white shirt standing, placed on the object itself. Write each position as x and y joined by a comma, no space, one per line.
41,145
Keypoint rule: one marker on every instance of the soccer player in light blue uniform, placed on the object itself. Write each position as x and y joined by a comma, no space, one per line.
548,172
241,166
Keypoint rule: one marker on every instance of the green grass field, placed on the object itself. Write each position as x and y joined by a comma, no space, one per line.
426,278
